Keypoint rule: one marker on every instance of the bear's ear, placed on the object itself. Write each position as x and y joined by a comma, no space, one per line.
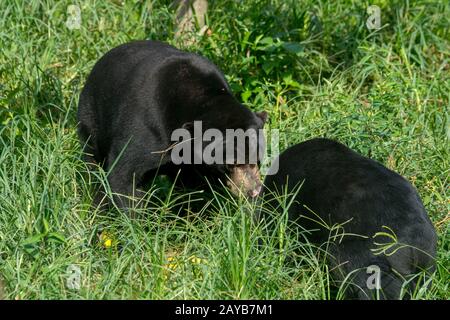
262,115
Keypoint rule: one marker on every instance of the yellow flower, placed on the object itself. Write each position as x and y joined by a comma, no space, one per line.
107,239
197,260
172,264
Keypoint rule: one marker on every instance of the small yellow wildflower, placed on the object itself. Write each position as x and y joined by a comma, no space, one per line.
107,239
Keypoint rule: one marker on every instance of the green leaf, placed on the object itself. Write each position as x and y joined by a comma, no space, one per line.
293,47
269,66
56,237
46,225
287,79
266,40
33,240
245,95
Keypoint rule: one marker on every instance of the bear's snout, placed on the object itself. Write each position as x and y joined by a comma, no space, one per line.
255,192
245,180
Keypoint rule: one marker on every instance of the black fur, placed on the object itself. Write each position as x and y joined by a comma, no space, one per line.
340,185
136,95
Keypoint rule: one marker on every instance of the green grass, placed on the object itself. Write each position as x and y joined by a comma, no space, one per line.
313,65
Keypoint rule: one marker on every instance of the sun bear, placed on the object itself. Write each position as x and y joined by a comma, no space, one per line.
135,98
342,200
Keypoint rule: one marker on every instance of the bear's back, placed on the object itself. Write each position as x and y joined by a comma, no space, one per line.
341,185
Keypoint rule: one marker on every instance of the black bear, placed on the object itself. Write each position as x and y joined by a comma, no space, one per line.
138,94
334,186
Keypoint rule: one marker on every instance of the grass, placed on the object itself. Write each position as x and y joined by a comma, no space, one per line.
313,65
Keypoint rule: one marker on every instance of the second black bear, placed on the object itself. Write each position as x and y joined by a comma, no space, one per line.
338,186
137,95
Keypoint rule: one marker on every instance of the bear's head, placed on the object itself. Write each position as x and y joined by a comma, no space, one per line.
228,139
